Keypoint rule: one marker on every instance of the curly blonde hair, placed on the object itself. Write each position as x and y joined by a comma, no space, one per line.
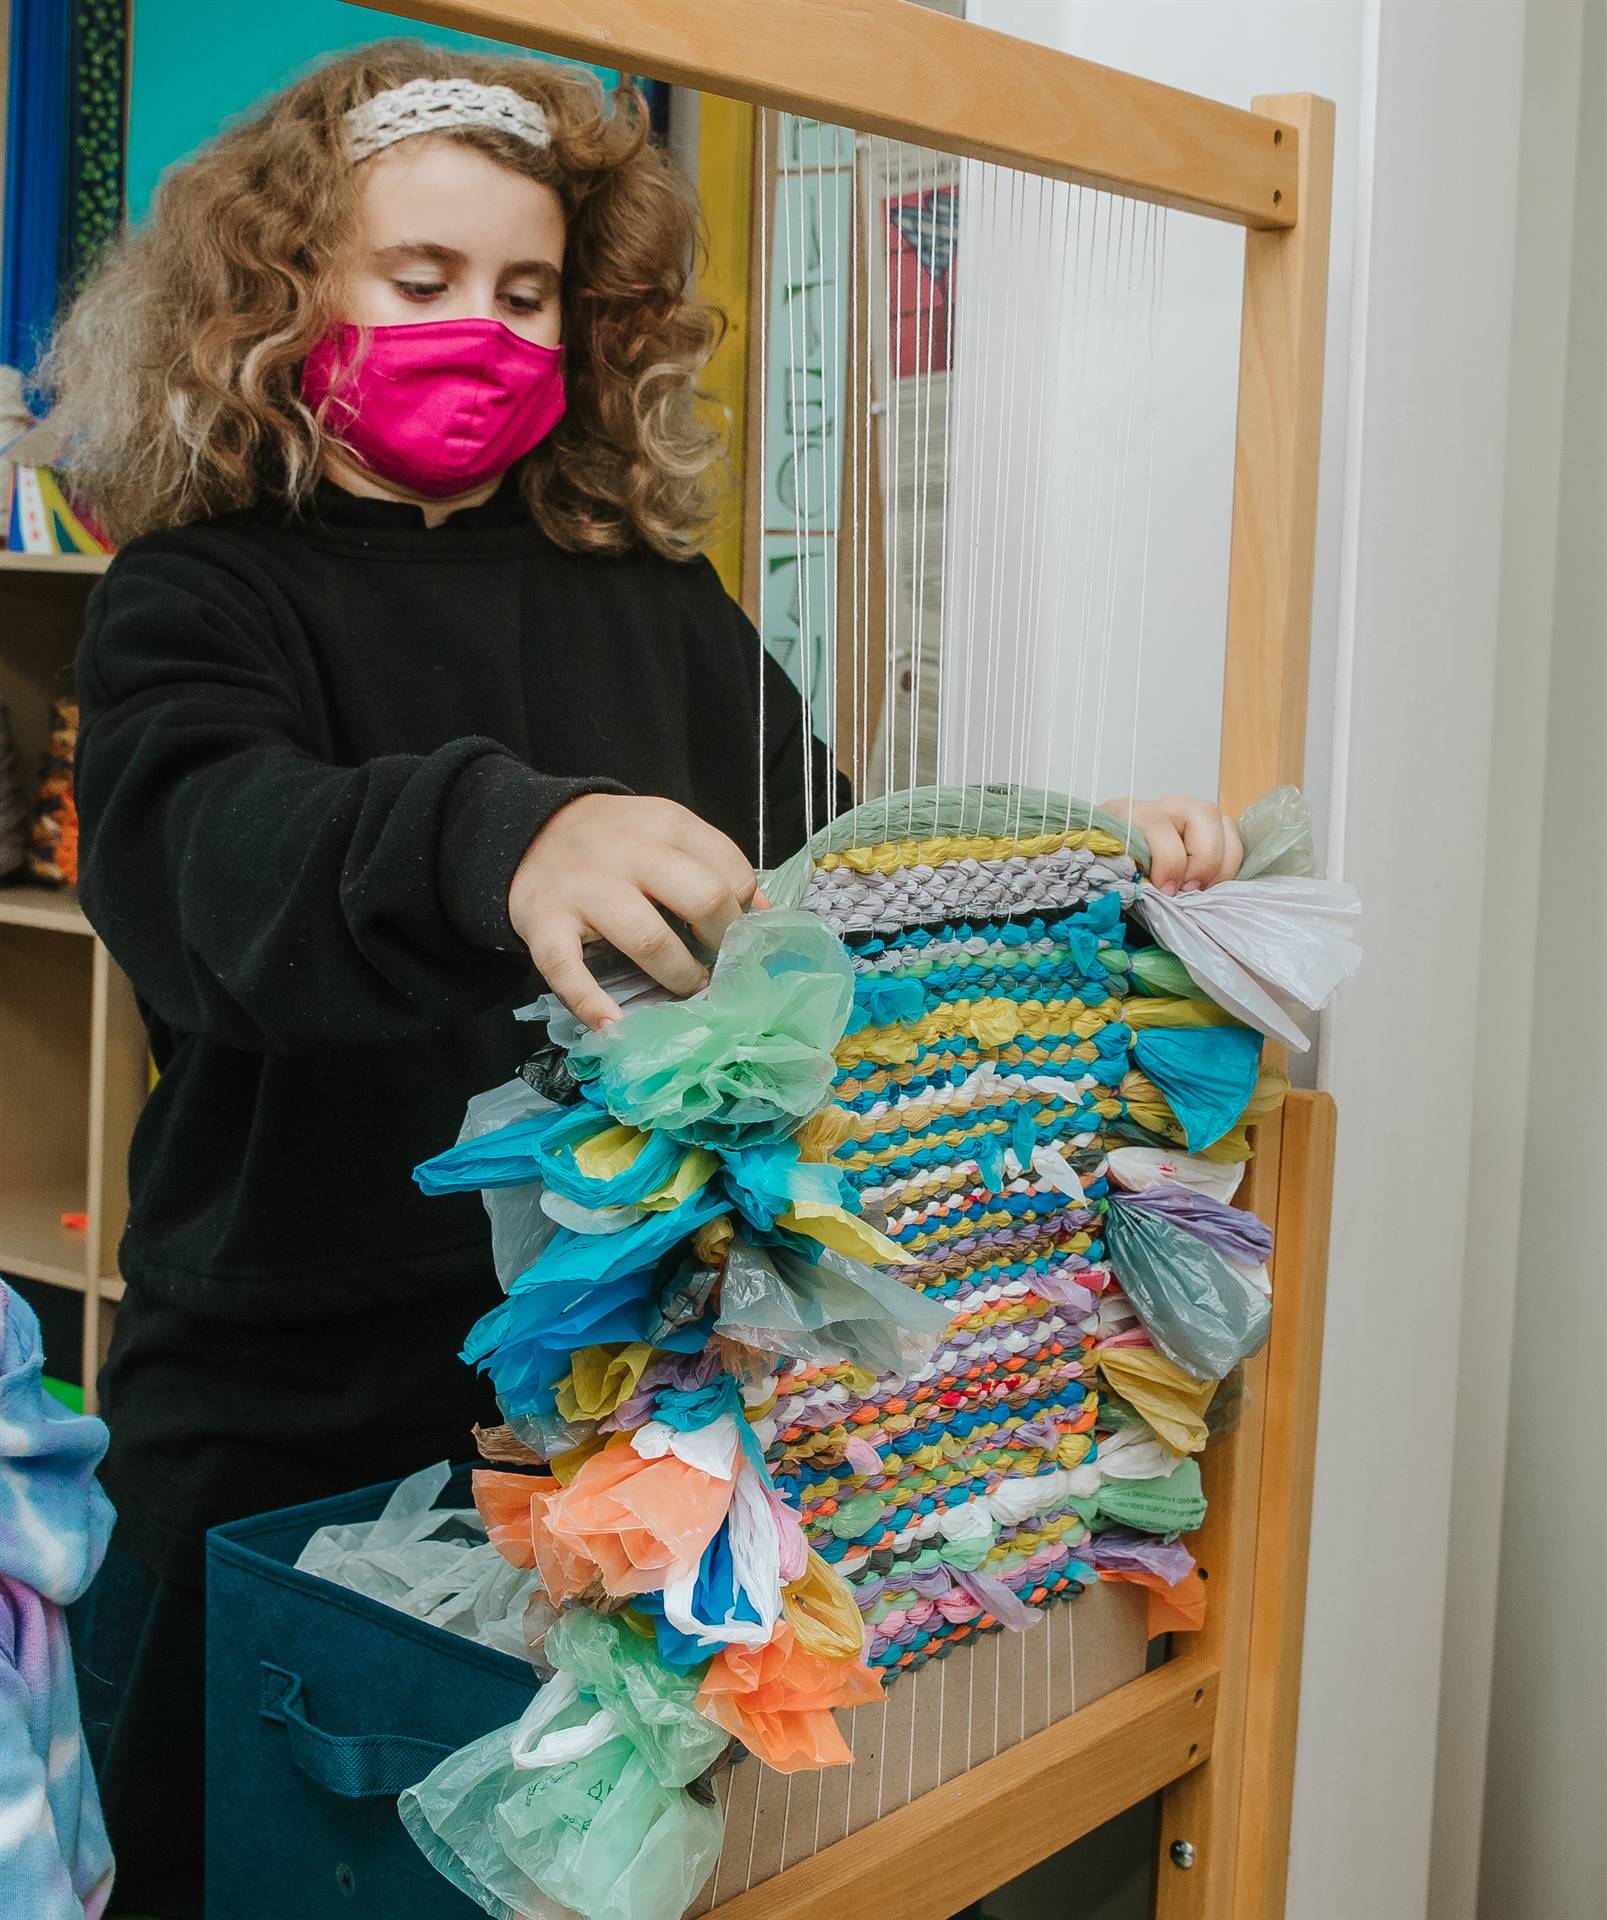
176,371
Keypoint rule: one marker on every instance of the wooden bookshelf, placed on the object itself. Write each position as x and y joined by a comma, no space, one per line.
73,1060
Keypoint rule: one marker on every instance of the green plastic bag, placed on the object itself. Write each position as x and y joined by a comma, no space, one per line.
1170,1504
821,1312
584,1801
652,1705
1277,834
745,1062
597,1835
1203,1312
1160,973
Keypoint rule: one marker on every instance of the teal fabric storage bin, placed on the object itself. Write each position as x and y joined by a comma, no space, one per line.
322,1705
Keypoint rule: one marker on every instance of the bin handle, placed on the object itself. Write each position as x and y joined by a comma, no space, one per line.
357,1766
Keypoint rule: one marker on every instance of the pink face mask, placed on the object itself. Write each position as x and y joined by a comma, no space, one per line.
441,406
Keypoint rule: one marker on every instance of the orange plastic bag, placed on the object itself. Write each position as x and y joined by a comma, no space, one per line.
642,1524
777,1700
1178,1609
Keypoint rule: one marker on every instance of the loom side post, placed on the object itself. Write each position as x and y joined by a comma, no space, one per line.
1233,1813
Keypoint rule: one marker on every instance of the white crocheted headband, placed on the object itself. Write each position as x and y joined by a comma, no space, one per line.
433,106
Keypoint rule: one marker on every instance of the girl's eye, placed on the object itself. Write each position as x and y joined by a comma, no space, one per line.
524,302
419,289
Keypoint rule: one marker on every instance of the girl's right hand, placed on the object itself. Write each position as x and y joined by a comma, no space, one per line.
600,870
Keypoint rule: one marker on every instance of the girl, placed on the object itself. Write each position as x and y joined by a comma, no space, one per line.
407,680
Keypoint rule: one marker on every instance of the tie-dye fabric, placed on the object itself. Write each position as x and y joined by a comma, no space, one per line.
55,1861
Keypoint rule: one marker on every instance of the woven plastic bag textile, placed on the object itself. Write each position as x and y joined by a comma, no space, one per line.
995,929
850,1305
982,1063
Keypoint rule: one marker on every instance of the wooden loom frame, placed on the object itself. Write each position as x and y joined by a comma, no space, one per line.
1213,1729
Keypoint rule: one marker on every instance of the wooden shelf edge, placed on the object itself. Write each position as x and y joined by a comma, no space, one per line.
55,909
12,562
929,1859
28,1266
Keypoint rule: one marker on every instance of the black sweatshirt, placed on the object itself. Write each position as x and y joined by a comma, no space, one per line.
311,754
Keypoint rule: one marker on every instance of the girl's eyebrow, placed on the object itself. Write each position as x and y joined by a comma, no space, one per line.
444,256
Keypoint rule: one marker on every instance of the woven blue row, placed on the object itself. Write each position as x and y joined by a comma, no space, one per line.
1015,980
1106,930
1071,1394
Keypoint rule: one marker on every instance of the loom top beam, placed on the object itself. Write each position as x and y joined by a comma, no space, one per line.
889,67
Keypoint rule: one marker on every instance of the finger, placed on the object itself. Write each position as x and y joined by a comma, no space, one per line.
695,836
696,894
1203,841
1167,858
1233,853
628,920
761,901
560,962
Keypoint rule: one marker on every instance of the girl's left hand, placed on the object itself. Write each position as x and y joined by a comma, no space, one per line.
1192,843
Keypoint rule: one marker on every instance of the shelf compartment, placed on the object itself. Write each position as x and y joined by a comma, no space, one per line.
34,1243
46,1049
73,1068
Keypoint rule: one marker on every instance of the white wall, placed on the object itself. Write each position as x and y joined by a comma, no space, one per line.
1544,1843
1427,440
1508,946
1411,516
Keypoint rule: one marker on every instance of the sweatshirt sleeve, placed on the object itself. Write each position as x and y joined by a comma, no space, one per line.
34,1876
253,891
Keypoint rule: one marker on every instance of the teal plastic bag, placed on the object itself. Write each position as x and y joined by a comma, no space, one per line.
1201,1310
1206,1073
745,1062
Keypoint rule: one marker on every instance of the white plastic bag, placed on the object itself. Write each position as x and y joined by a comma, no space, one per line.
520,1227
1133,1453
755,1545
434,1564
1138,1168
1260,948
